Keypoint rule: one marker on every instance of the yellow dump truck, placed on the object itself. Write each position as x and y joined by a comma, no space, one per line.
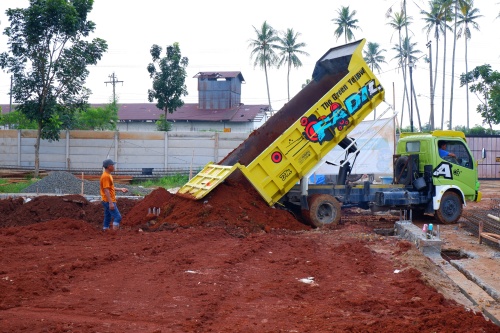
314,126
295,141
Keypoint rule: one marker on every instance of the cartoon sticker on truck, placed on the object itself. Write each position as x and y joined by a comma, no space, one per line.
323,128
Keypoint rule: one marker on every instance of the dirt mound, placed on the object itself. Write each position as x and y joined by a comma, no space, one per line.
16,212
237,207
62,229
228,205
7,206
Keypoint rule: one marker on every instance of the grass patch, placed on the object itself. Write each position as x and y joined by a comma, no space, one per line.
6,187
166,182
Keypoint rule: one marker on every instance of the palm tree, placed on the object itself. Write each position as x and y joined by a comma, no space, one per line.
290,48
466,18
446,6
263,50
407,51
373,56
455,6
435,20
399,21
346,23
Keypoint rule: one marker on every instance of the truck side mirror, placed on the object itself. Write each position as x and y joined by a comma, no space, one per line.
483,153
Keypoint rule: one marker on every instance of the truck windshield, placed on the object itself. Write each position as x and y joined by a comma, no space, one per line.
462,156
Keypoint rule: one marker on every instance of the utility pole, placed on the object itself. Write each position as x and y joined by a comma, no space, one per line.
114,81
431,118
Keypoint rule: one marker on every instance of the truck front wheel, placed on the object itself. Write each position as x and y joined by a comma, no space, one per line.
450,208
324,210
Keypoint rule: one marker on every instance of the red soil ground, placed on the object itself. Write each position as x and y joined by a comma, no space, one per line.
227,263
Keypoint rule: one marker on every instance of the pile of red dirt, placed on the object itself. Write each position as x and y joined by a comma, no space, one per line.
235,206
17,212
228,205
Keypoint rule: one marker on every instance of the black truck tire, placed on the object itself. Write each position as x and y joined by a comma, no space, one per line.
450,208
324,210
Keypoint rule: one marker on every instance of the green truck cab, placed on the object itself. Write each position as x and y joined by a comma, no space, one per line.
451,177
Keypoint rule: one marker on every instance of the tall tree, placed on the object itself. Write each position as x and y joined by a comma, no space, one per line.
49,51
485,83
446,7
263,51
290,49
346,23
373,56
169,79
399,21
455,9
467,16
407,51
435,19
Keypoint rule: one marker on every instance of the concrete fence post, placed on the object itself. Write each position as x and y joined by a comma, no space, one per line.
165,150
216,147
18,147
116,147
68,162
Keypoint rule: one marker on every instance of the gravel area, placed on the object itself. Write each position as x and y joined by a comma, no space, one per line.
61,182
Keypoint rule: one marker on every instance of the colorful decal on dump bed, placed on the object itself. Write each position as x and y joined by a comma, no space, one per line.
322,128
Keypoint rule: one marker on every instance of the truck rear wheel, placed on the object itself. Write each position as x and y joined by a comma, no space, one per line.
450,208
324,210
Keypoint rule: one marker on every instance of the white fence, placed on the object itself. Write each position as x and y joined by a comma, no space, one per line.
163,150
131,150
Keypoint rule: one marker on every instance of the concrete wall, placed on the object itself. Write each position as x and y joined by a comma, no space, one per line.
163,150
87,149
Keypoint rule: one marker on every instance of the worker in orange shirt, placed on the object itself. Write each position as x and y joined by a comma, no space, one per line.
108,195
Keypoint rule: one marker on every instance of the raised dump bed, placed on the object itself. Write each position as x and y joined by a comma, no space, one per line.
292,142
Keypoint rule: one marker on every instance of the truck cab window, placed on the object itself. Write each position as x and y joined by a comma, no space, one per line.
462,156
413,146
